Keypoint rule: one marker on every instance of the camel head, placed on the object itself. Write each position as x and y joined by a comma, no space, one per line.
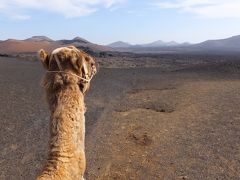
72,62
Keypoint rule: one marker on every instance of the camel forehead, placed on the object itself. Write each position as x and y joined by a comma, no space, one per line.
64,50
70,51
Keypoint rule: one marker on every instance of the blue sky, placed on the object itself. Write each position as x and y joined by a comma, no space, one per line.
134,21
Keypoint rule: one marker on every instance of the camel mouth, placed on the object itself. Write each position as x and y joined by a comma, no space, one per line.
85,82
94,71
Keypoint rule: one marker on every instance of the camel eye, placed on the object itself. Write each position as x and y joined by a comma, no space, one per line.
87,59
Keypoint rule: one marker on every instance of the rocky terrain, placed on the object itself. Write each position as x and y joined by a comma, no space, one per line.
148,117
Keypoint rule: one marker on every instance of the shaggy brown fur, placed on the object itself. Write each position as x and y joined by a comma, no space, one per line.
65,96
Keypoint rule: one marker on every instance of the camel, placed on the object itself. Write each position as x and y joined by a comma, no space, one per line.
67,79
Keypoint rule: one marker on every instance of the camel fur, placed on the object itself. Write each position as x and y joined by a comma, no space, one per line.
65,96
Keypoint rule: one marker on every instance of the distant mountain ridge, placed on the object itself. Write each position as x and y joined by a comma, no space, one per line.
35,43
159,43
75,40
39,38
227,45
119,44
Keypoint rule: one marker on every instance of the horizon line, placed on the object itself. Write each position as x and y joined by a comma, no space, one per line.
22,39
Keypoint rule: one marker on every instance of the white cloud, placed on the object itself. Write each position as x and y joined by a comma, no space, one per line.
204,8
17,9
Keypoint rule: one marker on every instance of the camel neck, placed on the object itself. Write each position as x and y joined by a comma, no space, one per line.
67,126
68,115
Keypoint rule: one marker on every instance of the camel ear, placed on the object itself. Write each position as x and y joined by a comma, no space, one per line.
44,58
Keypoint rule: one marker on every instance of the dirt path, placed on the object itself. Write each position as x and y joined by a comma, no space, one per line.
143,123
183,125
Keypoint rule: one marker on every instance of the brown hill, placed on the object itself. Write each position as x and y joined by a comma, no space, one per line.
33,44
